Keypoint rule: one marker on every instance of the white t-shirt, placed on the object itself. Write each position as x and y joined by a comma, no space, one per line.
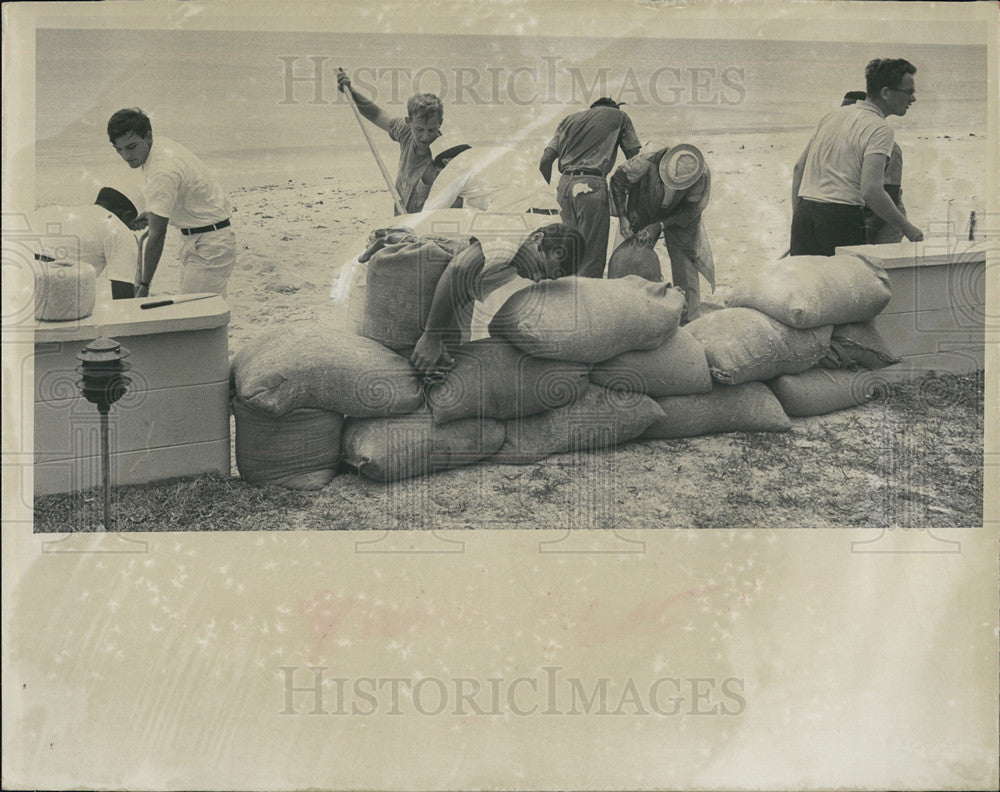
88,234
492,179
839,145
180,187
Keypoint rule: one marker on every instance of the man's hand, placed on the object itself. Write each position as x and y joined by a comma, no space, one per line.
649,234
428,351
343,81
140,222
913,233
625,228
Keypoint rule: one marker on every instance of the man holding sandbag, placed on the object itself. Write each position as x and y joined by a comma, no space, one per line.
551,252
178,190
665,193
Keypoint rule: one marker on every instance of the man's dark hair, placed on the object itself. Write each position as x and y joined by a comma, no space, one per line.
886,73
448,155
568,243
606,101
117,203
131,119
853,96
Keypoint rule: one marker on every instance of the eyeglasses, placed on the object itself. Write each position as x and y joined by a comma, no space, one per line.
907,91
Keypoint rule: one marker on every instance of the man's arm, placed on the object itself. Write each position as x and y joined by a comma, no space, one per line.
366,107
452,295
545,165
152,253
878,200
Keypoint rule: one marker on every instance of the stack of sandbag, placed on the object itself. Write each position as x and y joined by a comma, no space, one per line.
292,390
830,297
628,327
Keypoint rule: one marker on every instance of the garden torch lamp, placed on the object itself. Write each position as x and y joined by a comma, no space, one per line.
103,383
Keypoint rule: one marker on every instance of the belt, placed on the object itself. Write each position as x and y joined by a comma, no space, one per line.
543,211
584,172
205,229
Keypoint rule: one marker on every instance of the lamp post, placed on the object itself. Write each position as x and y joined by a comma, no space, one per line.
103,383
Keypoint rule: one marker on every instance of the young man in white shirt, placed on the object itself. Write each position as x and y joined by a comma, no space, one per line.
180,191
842,169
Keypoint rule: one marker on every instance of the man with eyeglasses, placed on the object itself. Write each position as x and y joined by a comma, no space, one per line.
842,169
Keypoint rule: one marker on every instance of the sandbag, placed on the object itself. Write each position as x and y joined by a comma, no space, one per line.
390,449
858,344
821,391
750,407
587,320
677,367
64,290
631,258
494,379
299,450
813,291
399,287
744,345
599,419
285,369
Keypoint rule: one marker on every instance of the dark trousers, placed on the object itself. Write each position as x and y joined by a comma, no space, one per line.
818,228
586,206
120,290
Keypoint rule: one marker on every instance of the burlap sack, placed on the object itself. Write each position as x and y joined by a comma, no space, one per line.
858,344
588,320
599,419
744,345
821,391
299,450
750,407
631,258
677,367
399,289
494,379
389,449
813,291
285,369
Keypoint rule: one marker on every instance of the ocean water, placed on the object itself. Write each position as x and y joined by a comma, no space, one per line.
262,108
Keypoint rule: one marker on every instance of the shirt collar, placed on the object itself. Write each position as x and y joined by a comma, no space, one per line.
864,103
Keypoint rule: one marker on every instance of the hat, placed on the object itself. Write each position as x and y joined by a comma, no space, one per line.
681,166
117,203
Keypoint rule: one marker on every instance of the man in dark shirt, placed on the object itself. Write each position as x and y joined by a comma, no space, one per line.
586,145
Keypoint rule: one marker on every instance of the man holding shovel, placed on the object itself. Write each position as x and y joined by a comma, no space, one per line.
415,133
178,189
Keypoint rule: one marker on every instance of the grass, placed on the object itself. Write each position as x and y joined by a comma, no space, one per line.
911,457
